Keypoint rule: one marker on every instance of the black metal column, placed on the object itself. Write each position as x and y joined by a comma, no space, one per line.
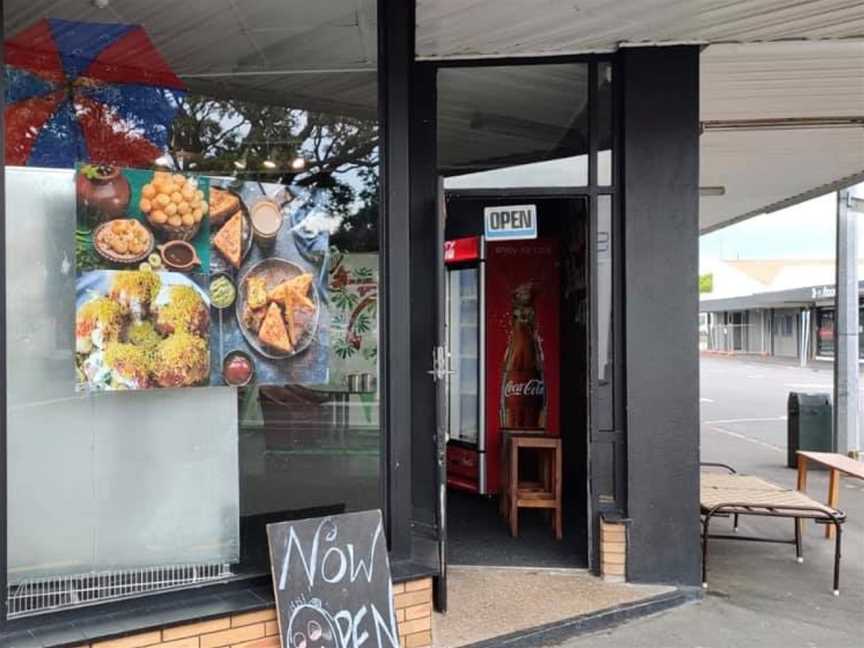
396,55
661,234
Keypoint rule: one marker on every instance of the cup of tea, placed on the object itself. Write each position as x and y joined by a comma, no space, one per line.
266,217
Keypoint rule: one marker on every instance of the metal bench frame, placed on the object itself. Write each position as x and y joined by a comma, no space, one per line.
798,513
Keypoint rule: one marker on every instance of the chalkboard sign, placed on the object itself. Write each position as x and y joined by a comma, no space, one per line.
332,581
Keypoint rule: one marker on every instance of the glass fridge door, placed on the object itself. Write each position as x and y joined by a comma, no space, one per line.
463,319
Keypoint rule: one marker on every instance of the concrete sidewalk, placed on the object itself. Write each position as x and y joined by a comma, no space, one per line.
758,595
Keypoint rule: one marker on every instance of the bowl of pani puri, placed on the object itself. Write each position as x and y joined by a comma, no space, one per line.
123,240
173,205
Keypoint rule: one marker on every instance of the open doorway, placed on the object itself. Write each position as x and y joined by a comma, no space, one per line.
493,289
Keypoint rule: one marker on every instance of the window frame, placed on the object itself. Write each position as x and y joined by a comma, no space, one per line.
387,10
403,84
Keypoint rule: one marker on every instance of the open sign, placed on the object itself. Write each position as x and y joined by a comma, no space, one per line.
511,222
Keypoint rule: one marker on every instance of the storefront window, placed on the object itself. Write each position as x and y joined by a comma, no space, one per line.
191,215
513,126
825,333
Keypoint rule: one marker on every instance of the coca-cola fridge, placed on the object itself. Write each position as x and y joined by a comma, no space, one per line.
503,343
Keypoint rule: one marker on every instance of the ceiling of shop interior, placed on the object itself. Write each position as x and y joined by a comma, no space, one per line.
315,54
321,55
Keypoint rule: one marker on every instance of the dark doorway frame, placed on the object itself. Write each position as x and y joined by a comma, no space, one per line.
590,221
607,477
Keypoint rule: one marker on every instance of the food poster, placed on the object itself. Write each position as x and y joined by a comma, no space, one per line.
142,313
270,315
185,280
128,217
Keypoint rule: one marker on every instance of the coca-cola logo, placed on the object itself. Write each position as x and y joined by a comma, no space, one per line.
533,387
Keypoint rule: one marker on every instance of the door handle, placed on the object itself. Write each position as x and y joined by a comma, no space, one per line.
439,369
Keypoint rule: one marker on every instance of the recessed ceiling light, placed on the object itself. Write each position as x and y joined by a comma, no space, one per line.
268,164
298,163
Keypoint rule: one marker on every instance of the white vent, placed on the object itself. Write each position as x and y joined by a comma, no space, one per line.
39,595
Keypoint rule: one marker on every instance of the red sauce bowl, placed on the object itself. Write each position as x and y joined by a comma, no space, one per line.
238,369
179,255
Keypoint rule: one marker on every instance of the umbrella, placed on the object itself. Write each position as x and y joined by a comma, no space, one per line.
97,92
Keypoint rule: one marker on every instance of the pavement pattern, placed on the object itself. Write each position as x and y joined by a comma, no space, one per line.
758,595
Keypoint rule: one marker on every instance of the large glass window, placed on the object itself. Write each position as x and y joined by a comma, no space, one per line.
825,333
513,126
206,362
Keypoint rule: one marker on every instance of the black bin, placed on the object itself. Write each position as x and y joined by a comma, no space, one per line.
808,425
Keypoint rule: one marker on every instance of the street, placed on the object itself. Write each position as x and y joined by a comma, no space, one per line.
758,595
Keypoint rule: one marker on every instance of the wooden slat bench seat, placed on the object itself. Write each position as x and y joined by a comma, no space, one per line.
730,494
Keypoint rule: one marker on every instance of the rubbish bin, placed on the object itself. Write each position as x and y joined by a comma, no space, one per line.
808,425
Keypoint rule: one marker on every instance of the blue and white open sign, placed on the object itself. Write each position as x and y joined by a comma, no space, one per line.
511,222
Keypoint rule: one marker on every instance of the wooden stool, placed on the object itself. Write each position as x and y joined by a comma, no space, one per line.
545,494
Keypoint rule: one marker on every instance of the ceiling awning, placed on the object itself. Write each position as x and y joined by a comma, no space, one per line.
490,28
783,122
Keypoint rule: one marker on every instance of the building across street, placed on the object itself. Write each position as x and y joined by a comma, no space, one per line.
746,313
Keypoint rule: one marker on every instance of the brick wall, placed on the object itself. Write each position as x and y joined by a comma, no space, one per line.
414,612
259,629
613,551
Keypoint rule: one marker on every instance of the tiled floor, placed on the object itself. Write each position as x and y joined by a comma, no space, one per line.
484,602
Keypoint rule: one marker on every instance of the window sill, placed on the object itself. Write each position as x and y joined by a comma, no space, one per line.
101,622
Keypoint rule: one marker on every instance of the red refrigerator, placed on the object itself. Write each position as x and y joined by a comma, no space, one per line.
503,331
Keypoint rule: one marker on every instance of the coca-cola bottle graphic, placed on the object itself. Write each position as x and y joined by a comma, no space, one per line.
523,389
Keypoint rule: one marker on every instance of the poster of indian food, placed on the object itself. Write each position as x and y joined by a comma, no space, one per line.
188,280
130,217
267,285
141,329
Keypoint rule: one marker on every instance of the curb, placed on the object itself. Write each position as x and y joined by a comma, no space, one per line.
559,631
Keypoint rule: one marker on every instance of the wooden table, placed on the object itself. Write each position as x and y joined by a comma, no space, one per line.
836,464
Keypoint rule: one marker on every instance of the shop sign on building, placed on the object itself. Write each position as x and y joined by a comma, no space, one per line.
331,578
825,292
511,222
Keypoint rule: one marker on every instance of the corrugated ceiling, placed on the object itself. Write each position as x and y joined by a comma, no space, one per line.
763,169
766,80
469,28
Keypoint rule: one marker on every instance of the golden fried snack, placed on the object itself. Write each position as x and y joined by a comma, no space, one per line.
293,293
273,332
229,240
165,201
256,292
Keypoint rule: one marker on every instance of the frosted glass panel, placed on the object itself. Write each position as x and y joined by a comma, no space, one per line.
105,481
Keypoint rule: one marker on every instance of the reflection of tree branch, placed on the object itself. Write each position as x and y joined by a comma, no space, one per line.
226,133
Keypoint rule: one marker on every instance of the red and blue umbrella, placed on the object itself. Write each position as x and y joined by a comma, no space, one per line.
81,91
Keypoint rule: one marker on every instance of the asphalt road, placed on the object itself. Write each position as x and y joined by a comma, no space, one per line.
758,595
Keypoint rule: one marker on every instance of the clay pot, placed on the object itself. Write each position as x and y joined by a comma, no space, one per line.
103,197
